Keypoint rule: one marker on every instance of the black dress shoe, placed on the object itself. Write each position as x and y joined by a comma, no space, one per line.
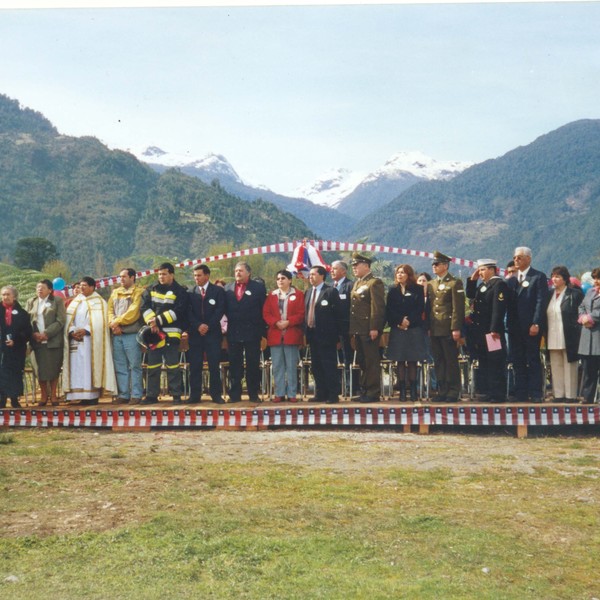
369,399
315,399
146,401
254,399
234,400
218,400
333,401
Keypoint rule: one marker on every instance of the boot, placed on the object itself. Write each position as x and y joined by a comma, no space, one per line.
414,396
402,390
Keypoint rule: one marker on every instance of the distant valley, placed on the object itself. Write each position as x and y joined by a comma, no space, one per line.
352,195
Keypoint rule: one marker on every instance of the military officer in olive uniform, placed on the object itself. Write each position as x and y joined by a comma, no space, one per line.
367,318
489,342
446,297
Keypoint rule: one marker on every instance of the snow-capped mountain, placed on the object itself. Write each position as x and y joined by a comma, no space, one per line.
418,164
400,171
352,193
324,221
213,164
331,187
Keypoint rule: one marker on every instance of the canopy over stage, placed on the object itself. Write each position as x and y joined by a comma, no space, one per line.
345,415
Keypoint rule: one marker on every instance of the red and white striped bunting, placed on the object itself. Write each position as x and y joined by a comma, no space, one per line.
322,245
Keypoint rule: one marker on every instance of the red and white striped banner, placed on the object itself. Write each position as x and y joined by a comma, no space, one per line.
321,245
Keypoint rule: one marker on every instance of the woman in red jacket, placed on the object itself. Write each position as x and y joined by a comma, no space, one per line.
283,313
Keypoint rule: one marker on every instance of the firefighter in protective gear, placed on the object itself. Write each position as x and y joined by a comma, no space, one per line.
164,309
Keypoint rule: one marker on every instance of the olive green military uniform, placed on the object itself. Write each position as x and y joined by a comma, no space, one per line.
447,301
367,313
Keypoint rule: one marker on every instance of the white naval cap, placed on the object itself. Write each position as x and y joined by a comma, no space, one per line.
487,262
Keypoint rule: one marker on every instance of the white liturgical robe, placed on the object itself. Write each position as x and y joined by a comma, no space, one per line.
88,369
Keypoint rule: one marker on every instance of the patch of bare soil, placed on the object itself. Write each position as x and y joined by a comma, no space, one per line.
363,451
106,480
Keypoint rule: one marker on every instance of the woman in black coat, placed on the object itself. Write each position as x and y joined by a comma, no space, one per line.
405,309
15,331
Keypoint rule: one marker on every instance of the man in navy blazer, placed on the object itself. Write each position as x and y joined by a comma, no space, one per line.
244,299
343,285
525,319
205,311
322,321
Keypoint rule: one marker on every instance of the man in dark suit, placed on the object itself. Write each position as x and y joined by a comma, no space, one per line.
322,333
489,343
205,311
525,320
244,299
343,285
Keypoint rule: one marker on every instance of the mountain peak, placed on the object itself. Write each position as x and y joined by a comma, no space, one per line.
152,152
216,164
402,168
331,187
420,165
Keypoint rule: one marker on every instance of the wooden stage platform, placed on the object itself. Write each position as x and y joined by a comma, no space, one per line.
403,416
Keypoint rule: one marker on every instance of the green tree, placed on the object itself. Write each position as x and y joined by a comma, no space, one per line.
58,268
34,252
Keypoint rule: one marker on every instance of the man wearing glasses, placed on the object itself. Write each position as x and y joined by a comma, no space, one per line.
525,320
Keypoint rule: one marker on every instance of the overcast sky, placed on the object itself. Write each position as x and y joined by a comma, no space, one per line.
285,93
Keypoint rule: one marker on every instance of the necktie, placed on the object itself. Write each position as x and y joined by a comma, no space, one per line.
310,321
520,277
240,288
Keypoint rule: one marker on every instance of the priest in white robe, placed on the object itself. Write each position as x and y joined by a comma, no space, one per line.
88,370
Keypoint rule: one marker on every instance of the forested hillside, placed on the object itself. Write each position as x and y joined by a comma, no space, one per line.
545,195
99,205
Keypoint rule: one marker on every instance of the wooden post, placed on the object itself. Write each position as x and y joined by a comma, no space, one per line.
521,431
132,429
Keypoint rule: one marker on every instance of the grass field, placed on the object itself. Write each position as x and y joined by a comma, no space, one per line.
297,515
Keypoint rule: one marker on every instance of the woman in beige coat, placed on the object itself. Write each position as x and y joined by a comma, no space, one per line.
48,317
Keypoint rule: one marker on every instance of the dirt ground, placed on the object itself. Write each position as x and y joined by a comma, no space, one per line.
361,451
65,503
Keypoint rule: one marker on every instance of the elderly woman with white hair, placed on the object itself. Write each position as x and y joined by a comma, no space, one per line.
15,331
